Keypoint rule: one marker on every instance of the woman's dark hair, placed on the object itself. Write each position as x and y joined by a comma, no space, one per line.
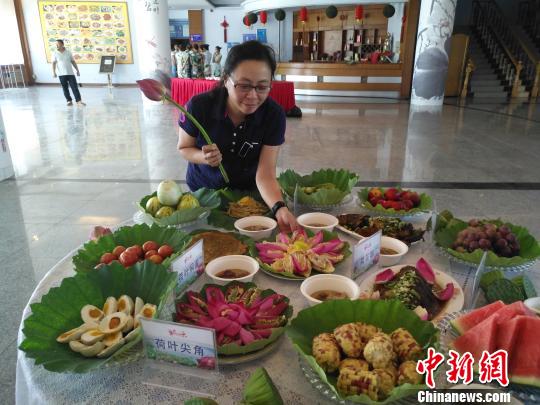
61,41
182,47
249,50
188,47
196,47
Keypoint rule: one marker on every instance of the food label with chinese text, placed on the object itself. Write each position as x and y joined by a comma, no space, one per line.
366,253
175,343
188,267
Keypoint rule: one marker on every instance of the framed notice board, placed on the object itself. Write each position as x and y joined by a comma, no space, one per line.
107,64
89,29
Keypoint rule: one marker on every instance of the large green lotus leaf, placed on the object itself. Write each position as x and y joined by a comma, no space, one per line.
529,246
233,348
386,314
89,255
342,179
426,204
327,236
261,390
219,218
59,311
208,200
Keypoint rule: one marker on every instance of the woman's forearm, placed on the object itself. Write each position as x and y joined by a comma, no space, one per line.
269,189
192,154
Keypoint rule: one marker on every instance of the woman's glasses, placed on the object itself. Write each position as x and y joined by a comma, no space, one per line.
246,88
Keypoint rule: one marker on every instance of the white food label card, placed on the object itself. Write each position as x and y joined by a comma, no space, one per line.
188,266
175,343
366,253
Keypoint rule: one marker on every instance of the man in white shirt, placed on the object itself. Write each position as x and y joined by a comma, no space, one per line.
63,60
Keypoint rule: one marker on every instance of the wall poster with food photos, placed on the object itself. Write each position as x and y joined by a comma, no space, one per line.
89,29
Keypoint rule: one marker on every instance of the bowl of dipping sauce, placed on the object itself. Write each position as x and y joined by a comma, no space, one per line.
325,287
256,227
392,251
318,221
225,269
533,304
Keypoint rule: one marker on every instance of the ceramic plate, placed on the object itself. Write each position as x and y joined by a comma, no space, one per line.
453,305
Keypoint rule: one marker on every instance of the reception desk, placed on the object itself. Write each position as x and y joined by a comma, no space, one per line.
343,79
182,90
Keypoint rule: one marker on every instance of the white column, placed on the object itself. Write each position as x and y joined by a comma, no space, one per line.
153,42
6,165
435,27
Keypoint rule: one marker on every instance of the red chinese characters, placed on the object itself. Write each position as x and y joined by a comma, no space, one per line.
429,365
461,367
494,366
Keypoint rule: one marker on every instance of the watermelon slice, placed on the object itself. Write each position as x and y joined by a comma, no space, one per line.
511,311
507,333
468,321
525,358
479,338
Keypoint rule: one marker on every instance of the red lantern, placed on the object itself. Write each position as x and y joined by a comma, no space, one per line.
303,15
246,21
359,13
224,24
264,17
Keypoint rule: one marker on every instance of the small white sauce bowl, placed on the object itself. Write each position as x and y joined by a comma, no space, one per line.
533,304
267,222
328,282
395,244
328,221
232,262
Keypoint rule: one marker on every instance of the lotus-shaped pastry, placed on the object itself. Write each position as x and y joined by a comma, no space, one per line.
297,254
239,315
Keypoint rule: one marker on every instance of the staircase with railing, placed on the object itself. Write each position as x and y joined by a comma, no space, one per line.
515,65
529,19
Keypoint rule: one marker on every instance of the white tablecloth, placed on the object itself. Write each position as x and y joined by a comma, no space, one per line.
124,385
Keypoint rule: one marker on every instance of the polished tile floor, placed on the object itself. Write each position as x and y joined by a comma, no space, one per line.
80,167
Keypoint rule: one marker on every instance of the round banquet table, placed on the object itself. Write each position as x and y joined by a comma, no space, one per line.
282,92
123,384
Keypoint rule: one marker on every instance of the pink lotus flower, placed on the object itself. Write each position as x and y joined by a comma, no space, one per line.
156,91
98,232
239,316
298,254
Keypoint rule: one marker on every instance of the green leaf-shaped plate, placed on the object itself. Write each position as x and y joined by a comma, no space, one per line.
448,229
343,180
208,200
387,315
59,311
88,257
286,276
233,349
426,203
219,218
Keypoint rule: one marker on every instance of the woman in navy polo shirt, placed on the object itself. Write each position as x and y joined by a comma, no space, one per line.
246,126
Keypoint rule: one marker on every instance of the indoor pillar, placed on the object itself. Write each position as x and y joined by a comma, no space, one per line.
153,42
433,37
6,165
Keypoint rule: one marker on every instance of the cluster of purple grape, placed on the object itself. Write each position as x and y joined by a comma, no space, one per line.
487,236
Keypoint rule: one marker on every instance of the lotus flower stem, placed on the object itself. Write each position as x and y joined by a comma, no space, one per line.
156,91
202,130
